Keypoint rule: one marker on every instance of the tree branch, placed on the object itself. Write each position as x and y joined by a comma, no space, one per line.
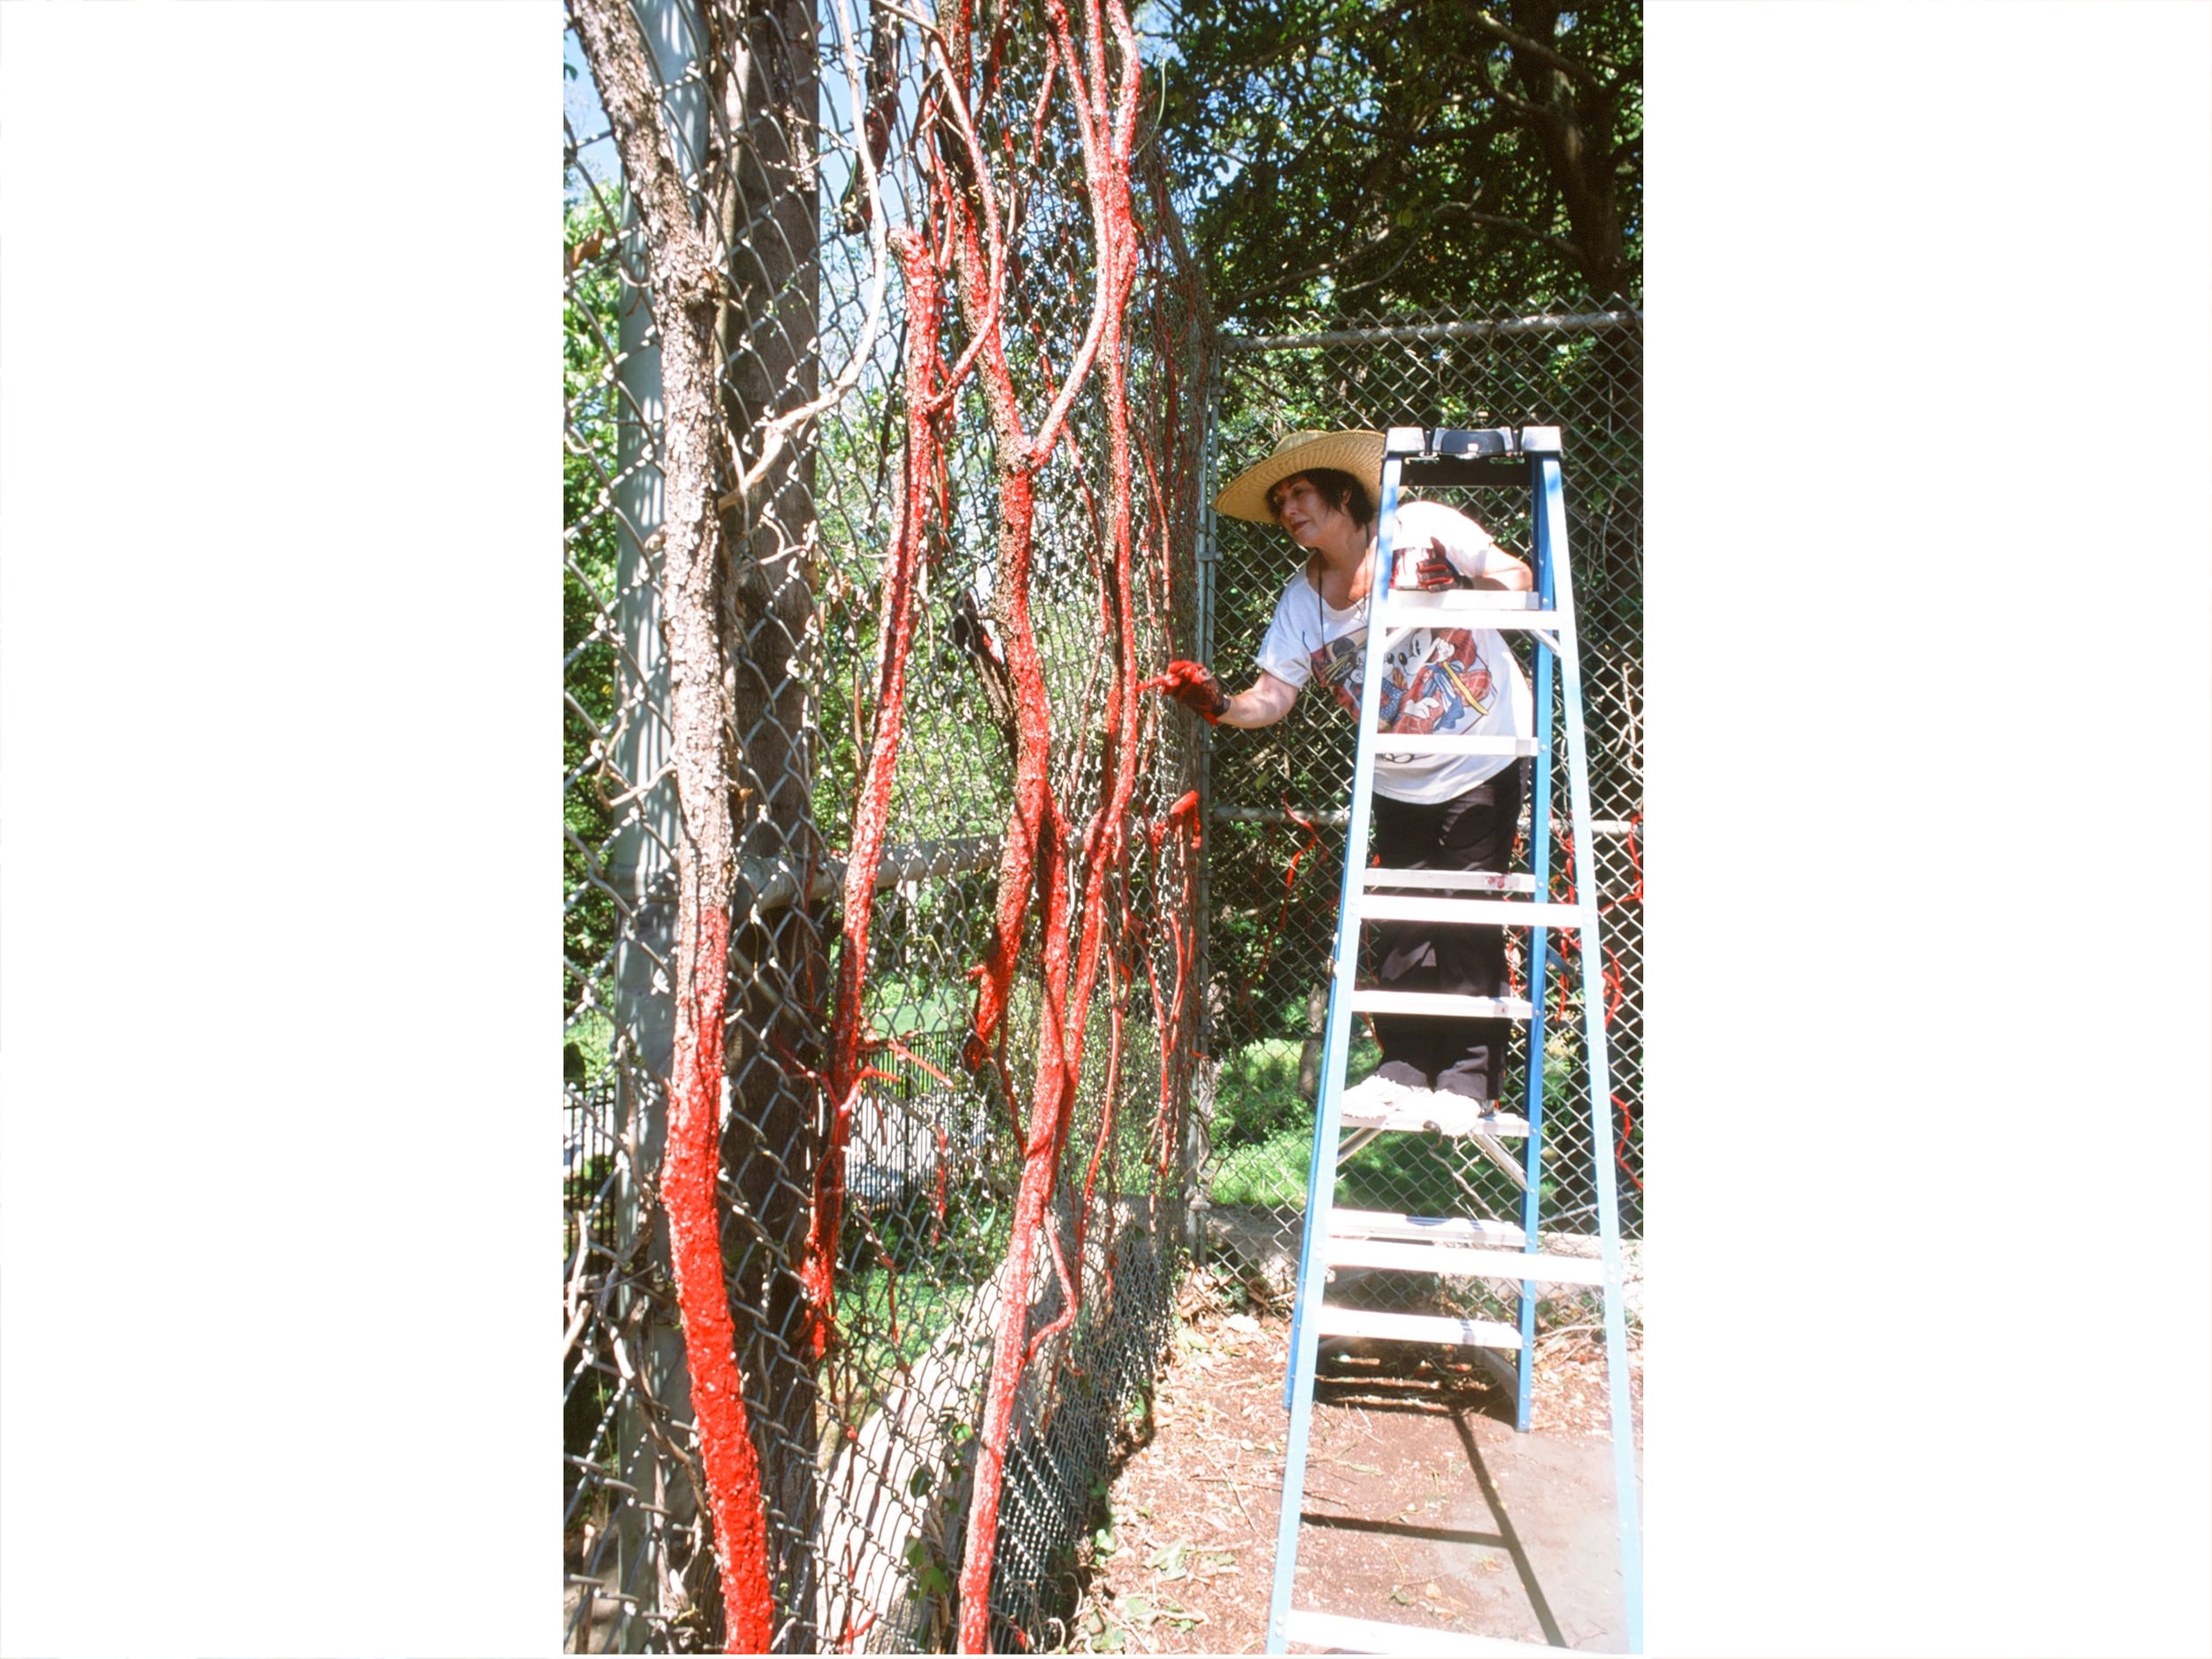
1531,47
1506,100
1528,45
1388,271
1278,283
1558,245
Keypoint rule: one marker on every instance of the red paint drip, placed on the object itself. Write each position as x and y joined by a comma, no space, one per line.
1290,880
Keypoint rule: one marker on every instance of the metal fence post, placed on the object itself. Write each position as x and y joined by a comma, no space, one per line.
642,867
1197,1139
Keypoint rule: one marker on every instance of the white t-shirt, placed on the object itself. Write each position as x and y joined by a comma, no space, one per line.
1460,681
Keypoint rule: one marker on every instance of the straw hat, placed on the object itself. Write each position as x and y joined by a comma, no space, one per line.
1358,453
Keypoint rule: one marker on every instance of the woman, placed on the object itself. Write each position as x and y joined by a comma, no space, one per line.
1431,811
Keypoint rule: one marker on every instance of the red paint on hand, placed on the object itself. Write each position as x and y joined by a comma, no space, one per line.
1435,570
1194,686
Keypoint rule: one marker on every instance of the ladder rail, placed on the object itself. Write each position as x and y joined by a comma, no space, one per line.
1538,967
1321,1184
1551,529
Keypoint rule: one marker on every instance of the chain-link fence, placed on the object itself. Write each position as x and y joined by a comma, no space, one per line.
1279,796
912,444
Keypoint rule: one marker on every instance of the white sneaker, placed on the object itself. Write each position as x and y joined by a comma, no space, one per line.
1377,1093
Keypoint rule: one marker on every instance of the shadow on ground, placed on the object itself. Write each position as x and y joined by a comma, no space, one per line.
1424,1507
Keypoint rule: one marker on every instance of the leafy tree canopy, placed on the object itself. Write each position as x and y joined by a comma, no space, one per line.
1393,155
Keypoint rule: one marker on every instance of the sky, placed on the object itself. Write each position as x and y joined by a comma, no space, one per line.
586,122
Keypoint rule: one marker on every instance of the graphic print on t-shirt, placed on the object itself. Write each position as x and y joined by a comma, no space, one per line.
1337,666
1432,681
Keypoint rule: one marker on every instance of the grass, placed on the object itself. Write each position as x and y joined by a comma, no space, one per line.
1400,1172
910,1282
1257,1096
1264,1136
906,1006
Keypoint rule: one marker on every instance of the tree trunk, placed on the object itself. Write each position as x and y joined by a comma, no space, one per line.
737,347
1575,129
1316,1034
766,340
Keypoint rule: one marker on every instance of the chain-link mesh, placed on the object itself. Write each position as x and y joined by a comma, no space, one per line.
1279,796
873,1144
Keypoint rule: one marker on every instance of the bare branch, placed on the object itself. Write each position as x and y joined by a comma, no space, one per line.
782,431
1288,278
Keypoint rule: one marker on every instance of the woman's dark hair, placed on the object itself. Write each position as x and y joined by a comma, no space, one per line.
1343,492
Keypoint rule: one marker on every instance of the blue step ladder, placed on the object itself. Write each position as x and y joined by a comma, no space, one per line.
1462,1246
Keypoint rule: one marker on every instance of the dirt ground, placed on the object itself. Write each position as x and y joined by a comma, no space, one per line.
1424,1505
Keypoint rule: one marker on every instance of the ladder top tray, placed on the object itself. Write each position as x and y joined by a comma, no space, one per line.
1471,442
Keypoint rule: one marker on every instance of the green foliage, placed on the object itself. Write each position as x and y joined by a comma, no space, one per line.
1262,1137
1395,1172
1404,154
588,1052
1257,1094
911,1005
587,576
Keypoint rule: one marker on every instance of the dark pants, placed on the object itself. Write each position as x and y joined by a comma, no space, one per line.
1473,830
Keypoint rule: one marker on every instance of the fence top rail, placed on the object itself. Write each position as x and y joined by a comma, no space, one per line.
1337,817
1558,322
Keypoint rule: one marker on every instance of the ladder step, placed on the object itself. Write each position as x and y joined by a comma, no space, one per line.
1414,599
1455,880
1389,744
1441,1003
1414,906
1334,1631
1415,1327
1476,1231
1465,882
1411,1111
1399,617
1457,1262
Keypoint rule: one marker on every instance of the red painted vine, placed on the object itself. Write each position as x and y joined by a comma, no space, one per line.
872,815
1065,886
718,1399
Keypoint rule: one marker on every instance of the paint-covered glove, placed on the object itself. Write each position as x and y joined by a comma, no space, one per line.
1194,686
1435,570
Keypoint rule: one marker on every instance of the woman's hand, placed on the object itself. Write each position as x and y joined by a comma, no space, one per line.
1194,686
1435,573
